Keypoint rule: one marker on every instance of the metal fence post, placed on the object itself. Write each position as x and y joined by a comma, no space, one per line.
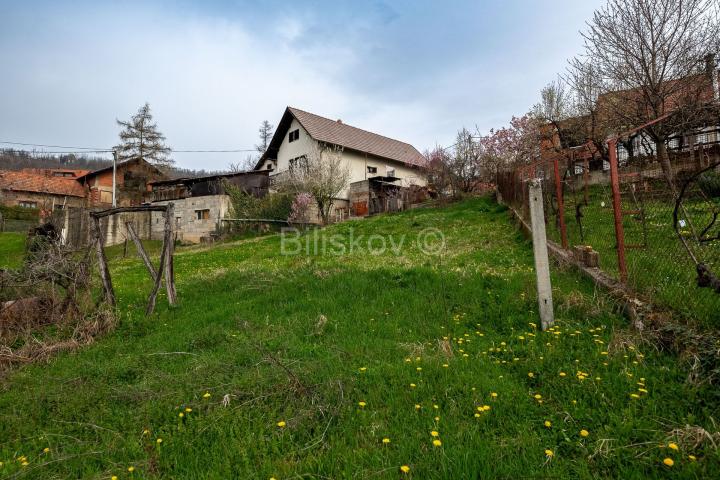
561,205
617,209
542,264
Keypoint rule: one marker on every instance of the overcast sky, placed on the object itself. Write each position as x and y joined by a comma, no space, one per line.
213,70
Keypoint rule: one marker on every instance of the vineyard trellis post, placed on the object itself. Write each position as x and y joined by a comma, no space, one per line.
542,264
166,254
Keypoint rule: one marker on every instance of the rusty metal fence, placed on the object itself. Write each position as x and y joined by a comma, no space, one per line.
658,234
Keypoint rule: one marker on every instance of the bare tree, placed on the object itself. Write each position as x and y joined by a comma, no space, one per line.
266,133
650,53
322,173
558,122
244,165
140,138
586,88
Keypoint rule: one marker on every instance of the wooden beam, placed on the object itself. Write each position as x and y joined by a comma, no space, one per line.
141,251
156,286
141,208
170,241
102,263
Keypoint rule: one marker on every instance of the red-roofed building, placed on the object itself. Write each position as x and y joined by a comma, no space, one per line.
44,189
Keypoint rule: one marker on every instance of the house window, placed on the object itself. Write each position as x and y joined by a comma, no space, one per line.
269,166
105,197
372,169
390,172
63,174
27,204
299,162
294,135
202,214
59,206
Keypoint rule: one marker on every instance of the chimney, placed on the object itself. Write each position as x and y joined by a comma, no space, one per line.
712,72
339,121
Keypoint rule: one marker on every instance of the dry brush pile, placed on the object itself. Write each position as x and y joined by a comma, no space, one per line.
47,304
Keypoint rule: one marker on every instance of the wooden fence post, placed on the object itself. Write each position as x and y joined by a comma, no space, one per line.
542,264
169,267
102,262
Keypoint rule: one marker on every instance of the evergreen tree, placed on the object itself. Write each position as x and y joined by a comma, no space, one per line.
140,138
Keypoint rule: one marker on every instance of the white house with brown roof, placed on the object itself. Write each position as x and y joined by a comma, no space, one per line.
368,155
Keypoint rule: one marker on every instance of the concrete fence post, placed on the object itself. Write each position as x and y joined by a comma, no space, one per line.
542,265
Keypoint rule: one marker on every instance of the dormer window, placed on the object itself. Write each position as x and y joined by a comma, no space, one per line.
268,166
294,135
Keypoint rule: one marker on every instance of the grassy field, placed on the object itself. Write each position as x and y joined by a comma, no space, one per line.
369,364
658,265
12,249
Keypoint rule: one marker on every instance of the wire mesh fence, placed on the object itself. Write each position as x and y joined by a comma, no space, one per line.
661,238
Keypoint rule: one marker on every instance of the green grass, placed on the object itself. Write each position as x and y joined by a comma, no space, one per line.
12,249
658,266
304,338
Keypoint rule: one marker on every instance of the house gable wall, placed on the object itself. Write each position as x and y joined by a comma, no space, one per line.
357,162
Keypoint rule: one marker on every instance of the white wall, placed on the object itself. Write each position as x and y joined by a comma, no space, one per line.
356,162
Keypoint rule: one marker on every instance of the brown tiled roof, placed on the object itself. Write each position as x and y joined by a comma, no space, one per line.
22,181
338,133
50,171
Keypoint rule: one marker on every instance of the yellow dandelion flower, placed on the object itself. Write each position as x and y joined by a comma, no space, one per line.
159,441
434,434
362,404
281,424
405,469
181,414
131,469
537,396
188,409
412,385
477,415
386,440
562,374
46,450
418,406
437,442
445,365
549,453
362,369
673,446
114,477
419,369
669,462
494,395
437,419
548,423
206,395
584,433
634,395
531,374
25,463
435,406
692,458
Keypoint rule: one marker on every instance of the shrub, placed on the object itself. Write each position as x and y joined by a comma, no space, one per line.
709,183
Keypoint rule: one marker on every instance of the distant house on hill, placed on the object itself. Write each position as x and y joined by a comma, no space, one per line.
379,166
